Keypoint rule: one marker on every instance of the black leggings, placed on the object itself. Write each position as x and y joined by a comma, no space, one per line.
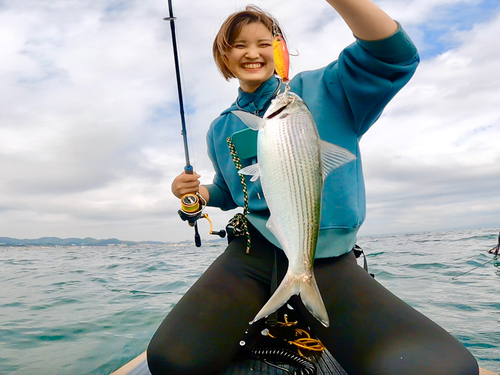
371,330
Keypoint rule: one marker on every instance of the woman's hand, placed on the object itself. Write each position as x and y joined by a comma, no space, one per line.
366,20
189,184
186,184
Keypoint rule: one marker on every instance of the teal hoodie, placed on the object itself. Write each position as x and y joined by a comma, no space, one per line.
345,98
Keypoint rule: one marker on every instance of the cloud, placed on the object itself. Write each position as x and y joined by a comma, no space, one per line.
435,152
90,128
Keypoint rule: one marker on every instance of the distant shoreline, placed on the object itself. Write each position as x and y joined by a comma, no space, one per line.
55,241
88,241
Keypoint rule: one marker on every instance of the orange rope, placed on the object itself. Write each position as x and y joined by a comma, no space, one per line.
307,343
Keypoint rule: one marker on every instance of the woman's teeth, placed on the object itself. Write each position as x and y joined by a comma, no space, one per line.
252,66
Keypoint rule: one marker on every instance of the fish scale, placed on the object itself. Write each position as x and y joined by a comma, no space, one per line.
295,157
292,163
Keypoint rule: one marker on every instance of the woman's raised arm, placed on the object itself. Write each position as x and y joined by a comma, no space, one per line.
366,20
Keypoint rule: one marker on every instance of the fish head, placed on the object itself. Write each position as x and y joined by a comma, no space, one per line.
283,102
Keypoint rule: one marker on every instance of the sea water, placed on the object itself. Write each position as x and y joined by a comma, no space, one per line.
89,310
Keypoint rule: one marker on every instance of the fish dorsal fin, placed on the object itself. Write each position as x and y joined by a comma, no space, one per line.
252,121
251,170
333,156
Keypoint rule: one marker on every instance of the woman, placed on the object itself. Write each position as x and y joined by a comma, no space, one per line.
371,331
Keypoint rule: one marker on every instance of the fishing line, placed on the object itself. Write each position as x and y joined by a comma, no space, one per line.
469,271
494,250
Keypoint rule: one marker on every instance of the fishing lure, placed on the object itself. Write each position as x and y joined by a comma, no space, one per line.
281,56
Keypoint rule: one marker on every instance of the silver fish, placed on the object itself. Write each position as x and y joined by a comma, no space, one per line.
292,165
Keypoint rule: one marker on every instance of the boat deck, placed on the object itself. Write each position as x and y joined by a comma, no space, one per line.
326,366
325,363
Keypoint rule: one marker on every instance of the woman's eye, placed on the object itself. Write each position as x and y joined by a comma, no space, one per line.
239,46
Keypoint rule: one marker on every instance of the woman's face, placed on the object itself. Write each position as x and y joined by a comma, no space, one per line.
251,56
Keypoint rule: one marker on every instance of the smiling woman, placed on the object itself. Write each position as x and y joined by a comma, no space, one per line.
251,56
369,330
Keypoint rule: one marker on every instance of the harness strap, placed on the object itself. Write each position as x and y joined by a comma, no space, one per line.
239,222
358,251
272,319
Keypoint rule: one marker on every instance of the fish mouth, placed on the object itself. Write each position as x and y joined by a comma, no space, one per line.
252,66
282,101
278,111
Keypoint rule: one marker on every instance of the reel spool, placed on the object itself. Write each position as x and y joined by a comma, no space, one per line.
191,206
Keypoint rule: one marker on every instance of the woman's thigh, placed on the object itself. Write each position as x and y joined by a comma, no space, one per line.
201,333
374,332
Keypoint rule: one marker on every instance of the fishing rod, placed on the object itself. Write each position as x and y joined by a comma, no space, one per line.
192,205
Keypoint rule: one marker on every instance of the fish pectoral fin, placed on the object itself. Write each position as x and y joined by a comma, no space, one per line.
332,157
252,121
251,170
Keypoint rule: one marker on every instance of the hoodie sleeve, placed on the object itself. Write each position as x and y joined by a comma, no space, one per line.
220,195
371,73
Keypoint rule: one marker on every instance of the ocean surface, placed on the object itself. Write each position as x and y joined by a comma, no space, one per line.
89,310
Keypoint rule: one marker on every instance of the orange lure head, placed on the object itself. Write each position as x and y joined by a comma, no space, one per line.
281,57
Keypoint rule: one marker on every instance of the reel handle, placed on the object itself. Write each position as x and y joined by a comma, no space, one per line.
221,233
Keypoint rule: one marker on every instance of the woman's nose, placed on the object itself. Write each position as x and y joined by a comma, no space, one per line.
252,53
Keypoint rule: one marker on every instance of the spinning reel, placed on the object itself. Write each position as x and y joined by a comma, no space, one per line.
192,206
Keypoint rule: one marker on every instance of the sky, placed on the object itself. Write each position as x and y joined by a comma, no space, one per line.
90,132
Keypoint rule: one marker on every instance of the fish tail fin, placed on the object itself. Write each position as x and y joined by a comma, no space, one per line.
293,285
311,298
289,286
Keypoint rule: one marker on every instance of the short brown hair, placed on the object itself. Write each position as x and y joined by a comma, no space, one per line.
230,30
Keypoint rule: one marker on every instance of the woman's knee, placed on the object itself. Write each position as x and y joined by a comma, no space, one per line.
162,361
175,359
431,358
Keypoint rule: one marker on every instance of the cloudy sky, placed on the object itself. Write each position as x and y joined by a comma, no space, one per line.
90,129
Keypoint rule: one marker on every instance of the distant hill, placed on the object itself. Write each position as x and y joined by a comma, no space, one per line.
55,241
